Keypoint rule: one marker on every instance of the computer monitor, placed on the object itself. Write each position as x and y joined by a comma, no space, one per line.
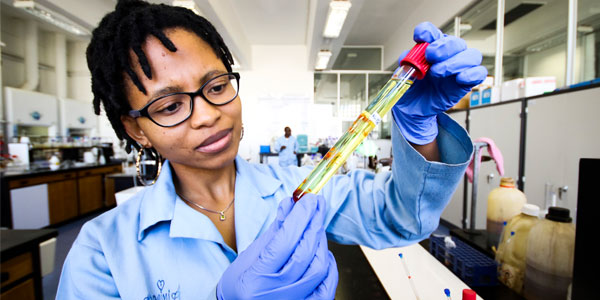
588,208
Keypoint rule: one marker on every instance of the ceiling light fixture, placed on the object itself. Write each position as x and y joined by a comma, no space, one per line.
51,17
464,28
338,10
322,59
585,29
189,4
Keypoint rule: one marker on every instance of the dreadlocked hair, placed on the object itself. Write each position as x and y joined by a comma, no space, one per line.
126,29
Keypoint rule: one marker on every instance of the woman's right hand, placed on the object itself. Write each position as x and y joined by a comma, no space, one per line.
288,261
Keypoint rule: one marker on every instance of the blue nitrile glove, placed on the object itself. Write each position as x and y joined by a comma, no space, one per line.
454,71
288,261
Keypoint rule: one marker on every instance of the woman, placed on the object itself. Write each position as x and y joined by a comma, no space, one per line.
215,226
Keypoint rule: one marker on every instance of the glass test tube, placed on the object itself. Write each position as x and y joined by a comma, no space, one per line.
401,81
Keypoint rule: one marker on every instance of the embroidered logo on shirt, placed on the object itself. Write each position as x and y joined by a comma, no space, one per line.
166,295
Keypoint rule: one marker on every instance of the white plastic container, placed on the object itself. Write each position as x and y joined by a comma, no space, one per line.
539,85
550,253
54,162
513,247
504,202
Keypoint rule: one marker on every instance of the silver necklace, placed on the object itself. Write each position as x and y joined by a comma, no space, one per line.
220,213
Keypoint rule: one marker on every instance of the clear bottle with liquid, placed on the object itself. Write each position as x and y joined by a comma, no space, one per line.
549,259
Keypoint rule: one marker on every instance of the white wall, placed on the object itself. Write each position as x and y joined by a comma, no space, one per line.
278,92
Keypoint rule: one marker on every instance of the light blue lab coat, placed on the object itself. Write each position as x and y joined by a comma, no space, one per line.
154,246
287,156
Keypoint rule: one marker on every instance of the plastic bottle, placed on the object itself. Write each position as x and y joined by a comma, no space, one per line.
54,162
507,268
513,247
550,252
504,202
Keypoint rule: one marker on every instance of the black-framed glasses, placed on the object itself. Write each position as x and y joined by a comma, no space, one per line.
175,108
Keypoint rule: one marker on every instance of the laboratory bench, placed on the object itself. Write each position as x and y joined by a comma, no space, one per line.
366,273
21,265
71,191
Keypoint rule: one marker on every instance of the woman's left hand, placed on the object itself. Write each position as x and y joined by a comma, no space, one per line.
455,70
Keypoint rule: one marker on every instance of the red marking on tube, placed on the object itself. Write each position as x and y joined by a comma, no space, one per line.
297,195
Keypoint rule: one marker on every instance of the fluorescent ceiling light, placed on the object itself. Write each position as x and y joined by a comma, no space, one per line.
189,4
464,28
322,59
51,17
585,29
338,10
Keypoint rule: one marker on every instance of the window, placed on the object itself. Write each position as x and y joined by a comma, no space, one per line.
587,55
359,58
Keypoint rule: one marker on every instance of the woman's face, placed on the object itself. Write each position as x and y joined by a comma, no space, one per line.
210,137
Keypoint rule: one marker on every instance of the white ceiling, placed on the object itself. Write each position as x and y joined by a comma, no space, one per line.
244,23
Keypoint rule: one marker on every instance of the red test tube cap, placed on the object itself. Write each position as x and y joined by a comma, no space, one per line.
416,59
469,295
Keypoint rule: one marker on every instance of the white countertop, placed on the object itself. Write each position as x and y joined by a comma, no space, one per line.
430,277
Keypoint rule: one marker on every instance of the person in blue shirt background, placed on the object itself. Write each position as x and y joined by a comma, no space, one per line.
215,226
287,146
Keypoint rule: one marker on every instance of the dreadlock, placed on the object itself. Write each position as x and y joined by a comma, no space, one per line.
125,29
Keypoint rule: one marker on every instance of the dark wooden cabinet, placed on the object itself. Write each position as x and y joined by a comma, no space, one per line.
23,291
71,193
109,192
21,264
91,193
15,270
62,200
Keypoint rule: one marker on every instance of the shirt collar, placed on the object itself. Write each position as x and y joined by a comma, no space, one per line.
158,201
160,204
265,184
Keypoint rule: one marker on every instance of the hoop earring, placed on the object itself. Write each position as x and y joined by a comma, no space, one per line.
138,160
242,135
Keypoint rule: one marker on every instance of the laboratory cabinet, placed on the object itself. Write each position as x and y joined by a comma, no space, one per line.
75,114
62,199
541,139
502,124
36,200
29,206
90,191
14,269
561,129
30,108
22,264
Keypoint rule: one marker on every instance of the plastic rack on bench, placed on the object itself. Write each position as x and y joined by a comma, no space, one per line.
473,267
